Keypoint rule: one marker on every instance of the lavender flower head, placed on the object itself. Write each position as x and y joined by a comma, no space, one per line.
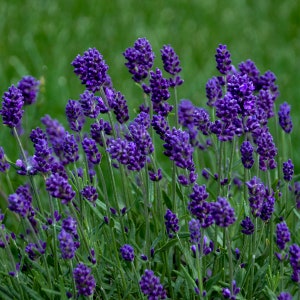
223,59
59,187
257,192
91,69
75,115
171,64
248,226
90,148
140,59
29,87
69,224
20,201
12,104
178,148
67,245
151,287
295,262
84,280
171,222
213,91
247,154
285,120
4,165
282,235
43,155
288,170
194,229
90,193
127,252
92,105
223,213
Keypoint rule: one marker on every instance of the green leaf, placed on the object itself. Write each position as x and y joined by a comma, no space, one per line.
167,200
167,245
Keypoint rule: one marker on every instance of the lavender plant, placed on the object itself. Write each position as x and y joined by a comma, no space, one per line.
179,201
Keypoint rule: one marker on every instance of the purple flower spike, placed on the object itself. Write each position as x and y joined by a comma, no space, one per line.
20,201
213,91
223,59
84,280
4,165
91,69
171,64
285,120
70,225
90,148
140,59
171,222
178,148
29,87
75,115
92,105
159,87
223,213
283,235
295,262
58,187
90,193
151,287
194,229
127,252
67,245
247,154
12,104
248,226
288,170
43,155
257,192
70,149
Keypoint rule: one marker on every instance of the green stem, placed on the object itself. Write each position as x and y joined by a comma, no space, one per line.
33,186
228,242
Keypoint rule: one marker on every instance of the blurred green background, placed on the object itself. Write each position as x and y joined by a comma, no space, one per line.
42,37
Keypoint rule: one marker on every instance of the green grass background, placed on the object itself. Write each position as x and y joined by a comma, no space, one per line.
42,37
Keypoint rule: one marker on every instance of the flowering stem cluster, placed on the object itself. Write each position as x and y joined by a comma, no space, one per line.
178,201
